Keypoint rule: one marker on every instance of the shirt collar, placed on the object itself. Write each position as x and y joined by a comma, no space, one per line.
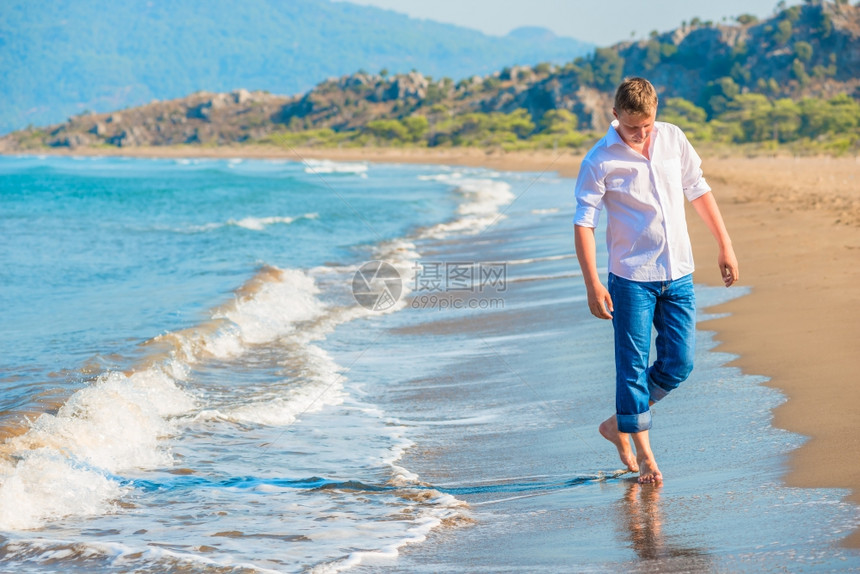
613,139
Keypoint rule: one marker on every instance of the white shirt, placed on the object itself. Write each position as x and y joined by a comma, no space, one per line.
644,200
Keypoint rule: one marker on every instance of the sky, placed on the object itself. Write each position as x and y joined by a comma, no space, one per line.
601,23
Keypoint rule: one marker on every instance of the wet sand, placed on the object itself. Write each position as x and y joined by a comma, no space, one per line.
796,229
503,405
795,224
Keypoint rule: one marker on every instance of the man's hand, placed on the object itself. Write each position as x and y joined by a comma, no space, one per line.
706,207
728,266
599,302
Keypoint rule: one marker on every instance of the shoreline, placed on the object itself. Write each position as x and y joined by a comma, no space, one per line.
795,224
799,248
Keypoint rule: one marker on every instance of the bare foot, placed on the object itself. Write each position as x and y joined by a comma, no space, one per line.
648,471
609,430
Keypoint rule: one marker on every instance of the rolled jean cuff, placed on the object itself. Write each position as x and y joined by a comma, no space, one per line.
634,423
655,391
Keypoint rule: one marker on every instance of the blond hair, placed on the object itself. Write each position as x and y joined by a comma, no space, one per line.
636,96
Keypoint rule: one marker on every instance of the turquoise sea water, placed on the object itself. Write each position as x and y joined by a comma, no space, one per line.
162,377
189,385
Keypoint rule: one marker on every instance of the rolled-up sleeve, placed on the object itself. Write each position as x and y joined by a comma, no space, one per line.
589,195
692,178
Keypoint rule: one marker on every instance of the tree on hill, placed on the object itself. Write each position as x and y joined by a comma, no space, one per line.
721,83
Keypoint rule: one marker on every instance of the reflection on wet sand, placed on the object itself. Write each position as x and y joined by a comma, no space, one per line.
640,519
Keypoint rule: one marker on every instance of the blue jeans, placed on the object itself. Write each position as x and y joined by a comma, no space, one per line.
670,306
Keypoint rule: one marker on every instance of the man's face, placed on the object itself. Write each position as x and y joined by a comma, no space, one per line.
634,129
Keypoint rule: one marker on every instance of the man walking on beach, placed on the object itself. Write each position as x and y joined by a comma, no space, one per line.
640,172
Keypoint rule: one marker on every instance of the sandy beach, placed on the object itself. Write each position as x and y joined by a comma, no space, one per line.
796,227
795,224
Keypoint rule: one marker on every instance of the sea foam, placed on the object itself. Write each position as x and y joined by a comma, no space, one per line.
250,223
66,463
260,223
480,208
323,166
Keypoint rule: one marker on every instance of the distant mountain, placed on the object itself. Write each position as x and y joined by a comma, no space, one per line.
60,58
795,75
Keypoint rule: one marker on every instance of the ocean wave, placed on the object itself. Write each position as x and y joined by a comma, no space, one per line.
529,278
320,166
75,462
271,304
480,208
116,556
250,223
68,463
431,509
71,463
64,464
540,259
322,385
260,223
61,465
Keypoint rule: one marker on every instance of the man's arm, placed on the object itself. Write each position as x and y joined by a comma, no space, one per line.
706,207
599,301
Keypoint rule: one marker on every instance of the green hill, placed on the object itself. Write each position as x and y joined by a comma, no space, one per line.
792,78
61,58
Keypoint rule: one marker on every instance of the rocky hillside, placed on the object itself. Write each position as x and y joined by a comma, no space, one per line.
806,50
811,50
202,118
59,58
